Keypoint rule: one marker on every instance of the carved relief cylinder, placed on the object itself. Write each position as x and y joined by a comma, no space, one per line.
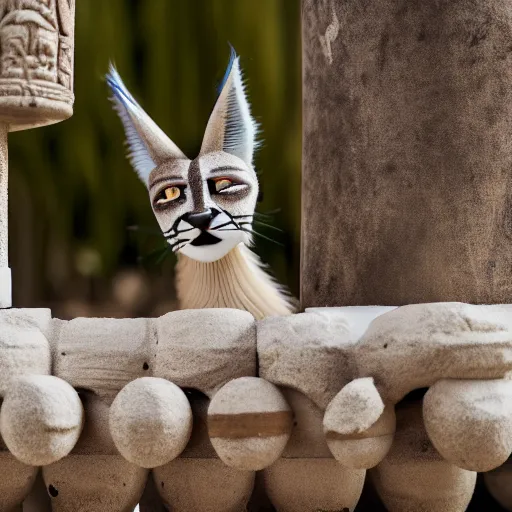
36,62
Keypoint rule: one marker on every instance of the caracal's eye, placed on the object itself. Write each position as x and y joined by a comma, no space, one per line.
226,186
169,194
222,184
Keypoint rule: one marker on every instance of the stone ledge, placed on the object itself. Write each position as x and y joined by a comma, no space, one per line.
309,386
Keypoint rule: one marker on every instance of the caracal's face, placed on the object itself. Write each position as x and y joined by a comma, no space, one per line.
205,206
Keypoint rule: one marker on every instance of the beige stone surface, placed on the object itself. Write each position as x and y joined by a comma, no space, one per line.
249,423
352,363
201,349
24,347
198,479
367,449
307,439
306,477
36,68
94,477
308,351
104,354
358,428
311,484
205,485
415,346
95,438
5,271
414,477
41,419
94,483
16,481
150,421
354,409
470,422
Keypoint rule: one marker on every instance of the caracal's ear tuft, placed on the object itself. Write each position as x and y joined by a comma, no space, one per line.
148,145
231,128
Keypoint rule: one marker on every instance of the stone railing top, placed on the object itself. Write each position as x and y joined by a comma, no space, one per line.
353,363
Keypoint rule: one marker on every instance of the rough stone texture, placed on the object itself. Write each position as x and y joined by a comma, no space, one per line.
249,423
356,362
150,421
308,352
198,479
36,62
41,419
306,477
358,427
470,422
16,487
205,485
24,347
94,477
94,483
414,477
104,354
201,349
5,271
354,409
367,449
407,152
303,485
415,346
5,287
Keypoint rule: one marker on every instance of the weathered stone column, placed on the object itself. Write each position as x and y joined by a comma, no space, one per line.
36,84
407,172
36,89
5,271
407,159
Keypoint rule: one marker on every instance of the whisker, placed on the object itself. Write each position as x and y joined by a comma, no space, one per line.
164,255
275,228
253,232
268,215
179,246
222,225
172,246
185,231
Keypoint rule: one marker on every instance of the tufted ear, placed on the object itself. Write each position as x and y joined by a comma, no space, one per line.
231,127
148,145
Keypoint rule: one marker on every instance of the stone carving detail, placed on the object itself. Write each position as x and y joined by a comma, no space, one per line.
36,56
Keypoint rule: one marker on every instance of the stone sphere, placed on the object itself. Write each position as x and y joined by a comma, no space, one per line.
41,419
470,422
249,423
359,429
150,421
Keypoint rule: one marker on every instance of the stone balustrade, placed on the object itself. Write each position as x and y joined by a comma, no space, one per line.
200,400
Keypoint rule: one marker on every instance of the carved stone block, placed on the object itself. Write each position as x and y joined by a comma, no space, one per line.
36,62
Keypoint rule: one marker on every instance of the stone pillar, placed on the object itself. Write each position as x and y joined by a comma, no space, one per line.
407,163
407,159
5,271
36,84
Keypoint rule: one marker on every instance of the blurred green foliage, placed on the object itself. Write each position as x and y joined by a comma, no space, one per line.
73,193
